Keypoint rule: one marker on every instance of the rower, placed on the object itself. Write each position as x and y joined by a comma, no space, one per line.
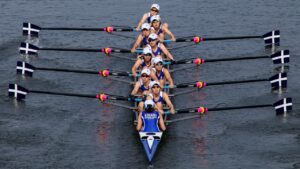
142,87
147,16
158,48
142,39
160,29
159,97
149,119
144,61
161,73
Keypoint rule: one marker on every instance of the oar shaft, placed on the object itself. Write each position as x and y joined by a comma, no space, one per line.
240,107
67,70
90,29
63,94
72,49
236,82
237,58
232,37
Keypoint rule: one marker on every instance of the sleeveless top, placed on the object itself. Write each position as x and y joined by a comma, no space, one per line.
158,50
144,41
161,75
149,18
143,65
159,30
143,87
150,121
160,99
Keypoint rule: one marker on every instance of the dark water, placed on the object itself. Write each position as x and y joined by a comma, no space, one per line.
65,132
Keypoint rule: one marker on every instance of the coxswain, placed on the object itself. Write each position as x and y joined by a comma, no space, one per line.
158,49
150,120
160,29
142,39
154,10
162,74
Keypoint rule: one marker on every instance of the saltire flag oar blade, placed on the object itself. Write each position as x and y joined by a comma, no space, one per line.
281,57
281,107
150,141
278,81
17,91
33,30
270,38
25,68
28,49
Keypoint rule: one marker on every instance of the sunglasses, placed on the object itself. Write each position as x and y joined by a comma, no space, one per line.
148,54
144,75
154,10
150,40
159,64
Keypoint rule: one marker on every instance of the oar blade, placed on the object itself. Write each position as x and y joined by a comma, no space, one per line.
281,57
25,68
272,38
17,91
28,49
31,29
278,81
283,106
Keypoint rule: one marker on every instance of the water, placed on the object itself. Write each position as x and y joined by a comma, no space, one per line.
66,132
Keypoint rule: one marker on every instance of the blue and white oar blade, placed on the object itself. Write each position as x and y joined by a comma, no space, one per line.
281,57
17,91
31,29
28,49
278,81
272,38
283,106
25,68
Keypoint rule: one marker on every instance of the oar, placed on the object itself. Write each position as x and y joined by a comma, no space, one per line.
279,57
282,107
270,38
29,49
33,30
277,81
19,92
28,70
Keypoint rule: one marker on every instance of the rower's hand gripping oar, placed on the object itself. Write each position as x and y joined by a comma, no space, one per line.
33,30
29,49
279,57
282,106
270,38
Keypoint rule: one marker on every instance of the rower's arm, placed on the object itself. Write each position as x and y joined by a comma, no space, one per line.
136,88
135,67
161,122
165,28
144,18
137,43
139,122
169,78
169,103
166,51
153,76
